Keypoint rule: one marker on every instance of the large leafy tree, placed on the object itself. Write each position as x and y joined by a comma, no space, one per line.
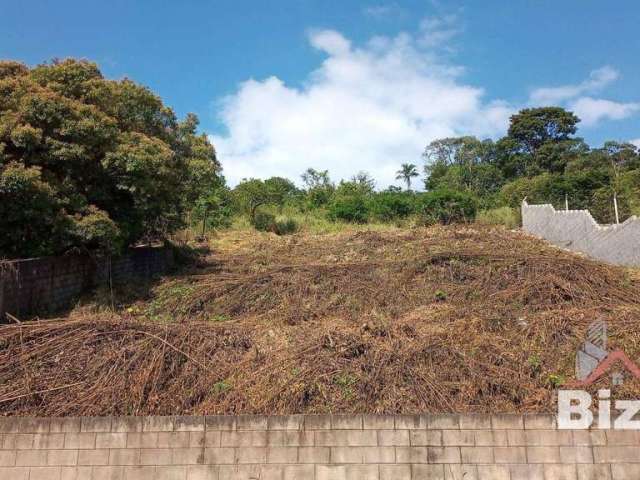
115,164
540,140
531,128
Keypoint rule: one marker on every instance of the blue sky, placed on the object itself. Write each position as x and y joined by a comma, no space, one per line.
350,85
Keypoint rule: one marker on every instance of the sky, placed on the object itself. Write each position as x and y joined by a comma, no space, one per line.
350,85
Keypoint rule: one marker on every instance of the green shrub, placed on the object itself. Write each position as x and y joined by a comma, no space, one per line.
286,226
350,208
446,207
507,216
319,196
388,206
544,188
264,222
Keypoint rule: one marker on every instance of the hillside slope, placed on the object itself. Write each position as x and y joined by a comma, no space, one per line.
424,320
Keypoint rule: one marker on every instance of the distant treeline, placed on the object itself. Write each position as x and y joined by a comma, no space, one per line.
540,158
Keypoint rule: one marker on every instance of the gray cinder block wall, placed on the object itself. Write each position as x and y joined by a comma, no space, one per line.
577,230
308,447
41,285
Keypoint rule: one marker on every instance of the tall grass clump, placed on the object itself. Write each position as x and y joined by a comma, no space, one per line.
506,216
286,226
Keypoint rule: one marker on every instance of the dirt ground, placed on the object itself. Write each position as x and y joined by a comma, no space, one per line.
463,319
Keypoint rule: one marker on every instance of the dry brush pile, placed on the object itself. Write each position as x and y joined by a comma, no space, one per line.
426,320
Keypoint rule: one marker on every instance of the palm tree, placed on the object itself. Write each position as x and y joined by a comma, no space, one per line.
406,173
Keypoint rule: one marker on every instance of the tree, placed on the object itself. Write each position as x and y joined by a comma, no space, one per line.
365,182
533,127
320,189
313,178
539,158
213,208
251,194
481,180
539,140
459,151
463,164
110,153
282,190
406,173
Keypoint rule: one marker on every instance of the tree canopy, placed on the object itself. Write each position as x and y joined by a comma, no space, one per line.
92,162
542,159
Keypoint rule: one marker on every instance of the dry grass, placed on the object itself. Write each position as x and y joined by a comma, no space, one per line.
423,320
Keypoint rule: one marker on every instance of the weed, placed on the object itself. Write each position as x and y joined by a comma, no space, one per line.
220,387
346,382
535,364
556,380
166,294
440,295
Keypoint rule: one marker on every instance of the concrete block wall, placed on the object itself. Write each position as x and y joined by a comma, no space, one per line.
309,447
41,285
577,230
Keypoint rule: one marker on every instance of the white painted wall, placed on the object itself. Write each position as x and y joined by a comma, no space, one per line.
577,230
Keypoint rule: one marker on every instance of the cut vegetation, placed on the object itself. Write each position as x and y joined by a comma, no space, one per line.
441,319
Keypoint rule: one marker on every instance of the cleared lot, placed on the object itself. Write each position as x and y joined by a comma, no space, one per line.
422,320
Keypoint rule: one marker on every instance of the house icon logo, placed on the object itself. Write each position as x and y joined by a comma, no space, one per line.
593,360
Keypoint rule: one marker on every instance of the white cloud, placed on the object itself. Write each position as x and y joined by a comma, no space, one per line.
593,110
437,31
635,142
598,79
330,41
364,108
384,11
589,109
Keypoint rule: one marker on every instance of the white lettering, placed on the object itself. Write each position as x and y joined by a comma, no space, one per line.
625,420
604,409
566,410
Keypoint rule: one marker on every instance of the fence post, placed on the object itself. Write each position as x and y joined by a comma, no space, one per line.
615,206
